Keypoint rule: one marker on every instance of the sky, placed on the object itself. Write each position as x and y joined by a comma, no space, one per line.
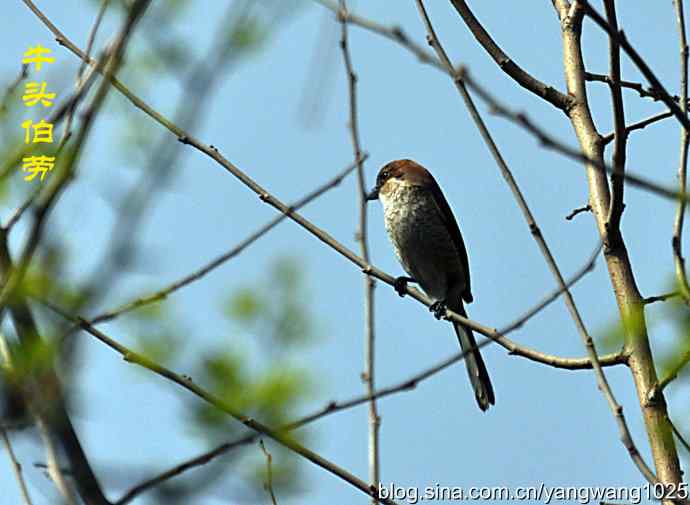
548,426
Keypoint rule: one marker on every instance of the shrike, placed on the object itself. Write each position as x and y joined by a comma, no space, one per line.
429,246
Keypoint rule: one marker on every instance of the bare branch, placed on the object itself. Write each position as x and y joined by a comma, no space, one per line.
16,467
505,63
677,241
648,92
639,125
579,210
368,376
178,469
269,473
616,206
660,298
537,235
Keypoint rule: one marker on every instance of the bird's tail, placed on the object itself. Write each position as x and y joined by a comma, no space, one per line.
479,376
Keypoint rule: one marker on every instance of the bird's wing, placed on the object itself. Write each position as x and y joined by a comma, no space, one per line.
452,225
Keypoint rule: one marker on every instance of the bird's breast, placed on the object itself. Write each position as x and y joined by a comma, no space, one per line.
421,240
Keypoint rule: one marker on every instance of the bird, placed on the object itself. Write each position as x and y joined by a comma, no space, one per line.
429,246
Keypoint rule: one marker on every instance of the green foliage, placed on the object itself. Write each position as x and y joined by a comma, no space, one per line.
274,321
249,35
675,314
286,320
678,315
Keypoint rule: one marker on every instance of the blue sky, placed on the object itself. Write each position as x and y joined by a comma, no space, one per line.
548,425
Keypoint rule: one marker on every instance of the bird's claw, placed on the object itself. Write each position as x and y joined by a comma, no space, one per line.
438,308
400,285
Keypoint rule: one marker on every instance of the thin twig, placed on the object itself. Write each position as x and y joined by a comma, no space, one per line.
649,92
660,298
178,469
579,210
639,125
374,422
677,241
550,142
16,467
616,205
269,473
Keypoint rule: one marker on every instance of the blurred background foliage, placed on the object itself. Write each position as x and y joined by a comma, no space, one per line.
260,377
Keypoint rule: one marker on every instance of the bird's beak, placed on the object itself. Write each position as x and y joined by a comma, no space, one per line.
373,194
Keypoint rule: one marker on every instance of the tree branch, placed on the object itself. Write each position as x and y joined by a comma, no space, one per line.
677,241
613,220
620,271
550,94
639,125
368,376
636,86
269,474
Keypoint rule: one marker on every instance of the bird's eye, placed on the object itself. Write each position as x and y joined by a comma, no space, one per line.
385,174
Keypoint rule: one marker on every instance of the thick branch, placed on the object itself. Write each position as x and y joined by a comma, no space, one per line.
618,263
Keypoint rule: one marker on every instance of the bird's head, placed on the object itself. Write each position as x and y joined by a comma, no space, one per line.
399,172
